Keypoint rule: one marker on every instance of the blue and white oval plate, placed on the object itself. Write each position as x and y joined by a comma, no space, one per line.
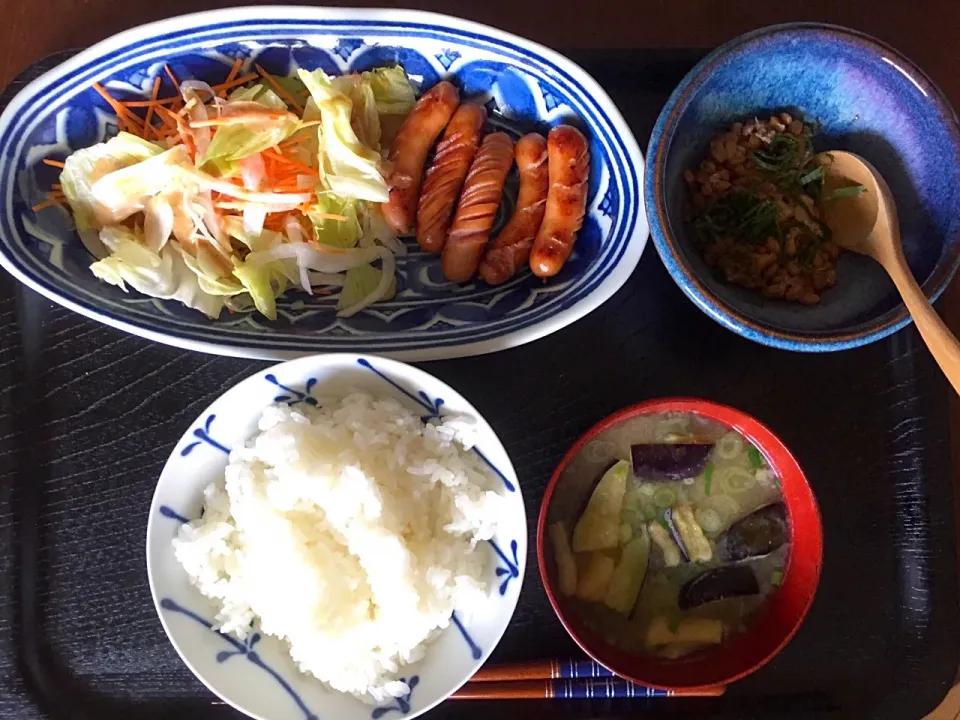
524,85
258,676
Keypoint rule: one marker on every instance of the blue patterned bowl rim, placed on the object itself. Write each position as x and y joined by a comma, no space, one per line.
611,269
723,312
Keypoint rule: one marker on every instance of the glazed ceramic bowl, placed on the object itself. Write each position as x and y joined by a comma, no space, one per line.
783,611
524,86
258,676
869,100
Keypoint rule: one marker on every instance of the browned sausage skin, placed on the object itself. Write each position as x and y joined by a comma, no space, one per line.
482,191
511,250
569,160
446,174
409,151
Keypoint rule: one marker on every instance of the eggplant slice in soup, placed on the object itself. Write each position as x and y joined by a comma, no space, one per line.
759,533
722,582
669,461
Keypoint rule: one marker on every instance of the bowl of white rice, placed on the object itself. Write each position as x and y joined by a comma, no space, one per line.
339,536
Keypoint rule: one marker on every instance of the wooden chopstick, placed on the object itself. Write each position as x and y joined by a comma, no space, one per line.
542,670
609,687
561,679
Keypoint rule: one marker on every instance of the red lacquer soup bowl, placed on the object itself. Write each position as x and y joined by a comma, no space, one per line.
783,611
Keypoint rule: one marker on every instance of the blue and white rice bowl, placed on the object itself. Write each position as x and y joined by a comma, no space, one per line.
524,86
258,676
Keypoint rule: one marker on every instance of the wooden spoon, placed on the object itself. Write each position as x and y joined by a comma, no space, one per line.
867,224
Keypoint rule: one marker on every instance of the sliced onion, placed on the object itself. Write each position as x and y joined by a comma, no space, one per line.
305,281
295,234
293,229
157,222
212,221
197,113
254,215
197,212
244,107
375,226
393,245
387,277
197,87
276,201
183,222
252,170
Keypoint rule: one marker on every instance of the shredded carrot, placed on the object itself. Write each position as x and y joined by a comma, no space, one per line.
240,118
51,202
123,114
147,125
53,163
303,169
176,85
233,73
181,129
295,139
150,103
223,87
169,119
280,89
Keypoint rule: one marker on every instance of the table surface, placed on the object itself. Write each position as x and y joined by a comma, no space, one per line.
926,32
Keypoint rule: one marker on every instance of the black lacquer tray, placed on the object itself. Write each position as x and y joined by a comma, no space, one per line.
88,416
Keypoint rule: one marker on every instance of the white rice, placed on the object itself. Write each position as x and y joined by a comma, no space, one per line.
351,532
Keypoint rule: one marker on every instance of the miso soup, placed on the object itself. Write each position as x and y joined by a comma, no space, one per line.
681,540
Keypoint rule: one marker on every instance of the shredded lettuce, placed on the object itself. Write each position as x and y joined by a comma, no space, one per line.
349,168
119,194
210,281
359,283
232,143
162,275
365,285
264,240
336,233
258,94
171,221
84,167
292,84
260,283
364,117
392,91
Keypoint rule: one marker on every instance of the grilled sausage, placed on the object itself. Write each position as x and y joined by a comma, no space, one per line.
569,159
511,250
408,153
446,174
482,191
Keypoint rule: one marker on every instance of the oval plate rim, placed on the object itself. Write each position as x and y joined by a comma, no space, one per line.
615,278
